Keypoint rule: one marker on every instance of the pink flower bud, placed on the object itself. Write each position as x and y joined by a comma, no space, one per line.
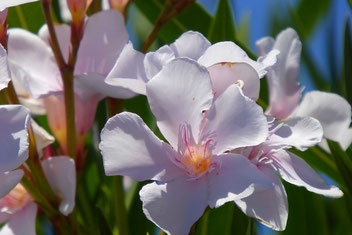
78,9
119,5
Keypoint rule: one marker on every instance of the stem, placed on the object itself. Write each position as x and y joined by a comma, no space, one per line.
119,203
171,9
67,77
116,106
38,174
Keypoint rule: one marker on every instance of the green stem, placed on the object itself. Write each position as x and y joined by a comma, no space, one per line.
250,230
119,204
171,9
67,78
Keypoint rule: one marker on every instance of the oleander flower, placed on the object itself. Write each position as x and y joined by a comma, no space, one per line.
14,123
332,110
273,160
226,62
33,65
195,169
18,210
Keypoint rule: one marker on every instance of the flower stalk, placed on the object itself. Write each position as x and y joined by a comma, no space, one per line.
172,8
67,78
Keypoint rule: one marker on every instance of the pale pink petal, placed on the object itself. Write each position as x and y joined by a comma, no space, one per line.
229,52
300,132
236,178
8,181
42,137
104,37
131,149
175,206
265,45
270,206
190,44
63,34
225,74
154,61
332,111
92,83
32,63
128,71
61,174
4,70
11,3
296,171
346,139
178,95
23,222
234,121
282,79
14,123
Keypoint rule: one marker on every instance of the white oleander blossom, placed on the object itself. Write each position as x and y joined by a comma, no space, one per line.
332,110
33,64
18,210
14,123
272,158
226,62
195,169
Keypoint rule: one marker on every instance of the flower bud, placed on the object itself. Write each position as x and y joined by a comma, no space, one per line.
3,26
78,9
119,5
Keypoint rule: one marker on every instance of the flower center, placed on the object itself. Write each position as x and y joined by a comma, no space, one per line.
196,160
15,200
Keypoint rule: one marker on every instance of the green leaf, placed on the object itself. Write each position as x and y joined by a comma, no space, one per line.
28,16
103,224
347,62
178,25
222,27
343,162
308,13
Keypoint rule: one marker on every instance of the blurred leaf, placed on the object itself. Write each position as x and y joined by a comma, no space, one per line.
307,212
137,217
308,13
242,32
222,27
343,162
349,3
194,17
28,16
347,62
103,225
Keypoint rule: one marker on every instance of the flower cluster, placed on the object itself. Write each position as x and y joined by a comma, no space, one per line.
216,143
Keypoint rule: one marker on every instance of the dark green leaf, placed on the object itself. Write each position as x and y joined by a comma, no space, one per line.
103,225
347,65
28,16
343,162
308,13
194,17
222,27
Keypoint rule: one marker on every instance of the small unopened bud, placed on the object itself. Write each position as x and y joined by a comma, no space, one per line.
78,9
119,5
3,27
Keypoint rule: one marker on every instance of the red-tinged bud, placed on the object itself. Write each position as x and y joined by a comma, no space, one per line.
3,27
119,5
78,9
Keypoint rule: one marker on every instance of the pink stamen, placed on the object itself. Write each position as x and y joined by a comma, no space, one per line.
189,150
206,146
